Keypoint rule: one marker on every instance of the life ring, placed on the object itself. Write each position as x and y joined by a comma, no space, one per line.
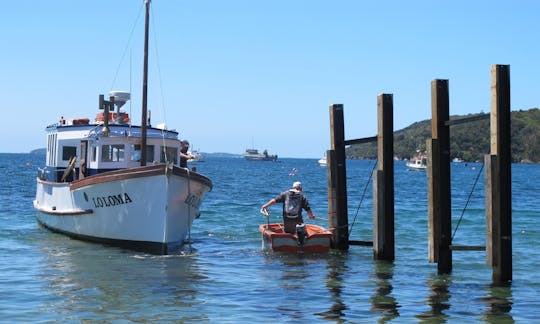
100,116
112,117
81,121
125,117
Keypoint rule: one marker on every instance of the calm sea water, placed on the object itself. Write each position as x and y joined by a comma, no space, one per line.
223,276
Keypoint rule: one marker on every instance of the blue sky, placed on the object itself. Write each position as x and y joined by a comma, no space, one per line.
229,75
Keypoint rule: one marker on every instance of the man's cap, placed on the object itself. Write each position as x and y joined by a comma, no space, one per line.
185,142
297,184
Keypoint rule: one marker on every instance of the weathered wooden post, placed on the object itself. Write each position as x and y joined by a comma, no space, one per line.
439,194
337,138
499,178
383,182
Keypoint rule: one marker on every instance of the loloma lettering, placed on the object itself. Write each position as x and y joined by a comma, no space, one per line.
111,200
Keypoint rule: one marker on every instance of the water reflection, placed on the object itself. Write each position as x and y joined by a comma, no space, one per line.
293,283
499,302
438,299
299,280
92,282
334,282
382,301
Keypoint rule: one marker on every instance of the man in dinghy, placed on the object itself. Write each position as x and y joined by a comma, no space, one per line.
293,201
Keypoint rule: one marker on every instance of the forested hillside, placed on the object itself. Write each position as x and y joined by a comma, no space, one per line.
469,141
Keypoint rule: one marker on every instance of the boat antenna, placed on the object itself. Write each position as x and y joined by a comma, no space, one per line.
145,85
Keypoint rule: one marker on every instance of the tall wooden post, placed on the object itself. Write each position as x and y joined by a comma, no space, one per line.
499,192
383,182
337,139
434,225
440,206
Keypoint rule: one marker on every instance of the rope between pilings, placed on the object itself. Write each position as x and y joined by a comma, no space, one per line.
467,202
363,196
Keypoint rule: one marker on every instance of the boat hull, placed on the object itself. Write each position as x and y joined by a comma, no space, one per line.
416,167
318,239
149,209
260,157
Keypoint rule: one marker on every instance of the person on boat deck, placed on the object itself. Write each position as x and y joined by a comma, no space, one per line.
184,155
290,221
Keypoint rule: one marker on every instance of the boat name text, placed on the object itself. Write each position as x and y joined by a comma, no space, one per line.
112,200
193,201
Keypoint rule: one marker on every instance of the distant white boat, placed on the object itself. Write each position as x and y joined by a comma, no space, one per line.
418,163
322,161
254,155
197,156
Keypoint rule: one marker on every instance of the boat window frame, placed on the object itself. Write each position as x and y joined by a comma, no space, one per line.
172,153
68,152
113,152
93,157
150,149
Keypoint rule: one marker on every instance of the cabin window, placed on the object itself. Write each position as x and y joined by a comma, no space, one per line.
169,154
136,153
94,153
68,152
51,150
112,153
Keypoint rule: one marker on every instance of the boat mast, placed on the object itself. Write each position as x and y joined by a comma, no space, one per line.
145,86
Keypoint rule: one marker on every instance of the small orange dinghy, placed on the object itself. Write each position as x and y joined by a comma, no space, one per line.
317,239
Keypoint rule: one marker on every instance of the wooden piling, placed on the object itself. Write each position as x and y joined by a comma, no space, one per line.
383,182
499,191
439,210
337,142
434,226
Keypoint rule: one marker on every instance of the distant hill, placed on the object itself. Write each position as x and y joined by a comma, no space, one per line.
39,151
469,141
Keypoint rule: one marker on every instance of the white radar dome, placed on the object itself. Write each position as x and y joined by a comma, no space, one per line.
120,97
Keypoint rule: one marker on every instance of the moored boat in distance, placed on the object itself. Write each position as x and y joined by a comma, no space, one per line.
254,155
322,161
197,156
112,182
418,163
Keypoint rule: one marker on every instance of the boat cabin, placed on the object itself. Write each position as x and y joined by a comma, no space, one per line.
84,150
77,148
81,149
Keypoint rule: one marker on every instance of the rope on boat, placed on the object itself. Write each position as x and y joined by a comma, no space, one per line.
141,10
189,209
363,196
467,202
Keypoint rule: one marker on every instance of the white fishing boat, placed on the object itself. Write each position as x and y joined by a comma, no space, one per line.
418,163
109,181
254,155
322,161
196,156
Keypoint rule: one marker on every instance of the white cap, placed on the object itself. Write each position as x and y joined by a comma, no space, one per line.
297,185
